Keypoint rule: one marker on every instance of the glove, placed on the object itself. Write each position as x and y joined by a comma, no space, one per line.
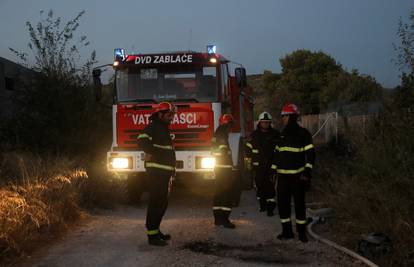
307,173
305,182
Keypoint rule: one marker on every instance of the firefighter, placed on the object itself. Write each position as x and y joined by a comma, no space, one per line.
259,153
294,156
223,170
156,142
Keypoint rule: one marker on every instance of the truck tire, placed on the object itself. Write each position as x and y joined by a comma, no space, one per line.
135,187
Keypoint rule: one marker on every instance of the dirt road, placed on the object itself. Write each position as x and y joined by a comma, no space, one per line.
117,238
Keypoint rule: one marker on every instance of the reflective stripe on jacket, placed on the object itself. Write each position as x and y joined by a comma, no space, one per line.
260,146
294,152
155,140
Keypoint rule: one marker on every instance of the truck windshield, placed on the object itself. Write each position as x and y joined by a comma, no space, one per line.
162,83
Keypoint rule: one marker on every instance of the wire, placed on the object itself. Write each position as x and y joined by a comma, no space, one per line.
320,128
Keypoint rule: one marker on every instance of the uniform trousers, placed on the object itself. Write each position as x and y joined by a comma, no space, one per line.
158,198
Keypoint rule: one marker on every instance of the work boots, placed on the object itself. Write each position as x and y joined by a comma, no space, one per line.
262,203
226,222
301,229
218,217
287,232
270,207
221,218
165,236
156,240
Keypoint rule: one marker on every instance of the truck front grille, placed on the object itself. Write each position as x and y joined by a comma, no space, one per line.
192,139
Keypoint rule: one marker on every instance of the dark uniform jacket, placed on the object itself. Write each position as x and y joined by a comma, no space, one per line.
156,140
260,147
294,152
221,148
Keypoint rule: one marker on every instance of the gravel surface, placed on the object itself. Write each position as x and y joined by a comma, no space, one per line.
118,238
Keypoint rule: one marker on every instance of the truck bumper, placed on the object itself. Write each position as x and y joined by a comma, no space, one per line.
188,162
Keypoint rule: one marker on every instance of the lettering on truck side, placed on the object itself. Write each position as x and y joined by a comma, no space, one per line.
141,119
185,118
182,118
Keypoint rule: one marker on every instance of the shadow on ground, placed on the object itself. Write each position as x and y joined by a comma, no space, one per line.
262,253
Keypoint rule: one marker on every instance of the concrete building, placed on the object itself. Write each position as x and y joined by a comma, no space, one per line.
13,77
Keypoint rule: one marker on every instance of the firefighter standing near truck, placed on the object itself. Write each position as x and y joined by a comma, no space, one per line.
259,154
223,170
293,162
160,161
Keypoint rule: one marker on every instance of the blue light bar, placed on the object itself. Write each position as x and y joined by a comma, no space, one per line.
211,49
119,54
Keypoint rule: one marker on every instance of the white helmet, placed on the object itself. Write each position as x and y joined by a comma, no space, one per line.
265,116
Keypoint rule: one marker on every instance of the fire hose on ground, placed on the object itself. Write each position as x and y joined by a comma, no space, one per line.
342,249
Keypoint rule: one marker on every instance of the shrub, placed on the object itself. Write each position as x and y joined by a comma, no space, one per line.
372,191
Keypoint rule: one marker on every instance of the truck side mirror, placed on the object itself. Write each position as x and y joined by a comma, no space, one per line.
96,74
241,79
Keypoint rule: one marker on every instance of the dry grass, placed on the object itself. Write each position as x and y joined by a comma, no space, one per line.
39,195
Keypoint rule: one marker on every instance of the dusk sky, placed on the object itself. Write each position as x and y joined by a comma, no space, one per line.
356,33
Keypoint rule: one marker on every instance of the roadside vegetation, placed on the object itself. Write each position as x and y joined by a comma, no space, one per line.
368,179
53,148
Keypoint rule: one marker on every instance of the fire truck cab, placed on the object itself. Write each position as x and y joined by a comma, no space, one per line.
200,86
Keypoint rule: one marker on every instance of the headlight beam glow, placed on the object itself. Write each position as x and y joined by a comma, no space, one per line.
208,163
120,163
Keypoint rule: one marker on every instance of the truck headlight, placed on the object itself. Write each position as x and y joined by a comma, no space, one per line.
121,163
208,163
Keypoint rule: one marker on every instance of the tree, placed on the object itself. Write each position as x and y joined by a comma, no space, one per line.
304,74
405,50
317,83
58,113
346,88
55,50
404,94
403,97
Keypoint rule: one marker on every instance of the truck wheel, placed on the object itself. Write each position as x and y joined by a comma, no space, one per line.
135,187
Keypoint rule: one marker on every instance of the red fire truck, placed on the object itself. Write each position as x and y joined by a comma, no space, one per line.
200,86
